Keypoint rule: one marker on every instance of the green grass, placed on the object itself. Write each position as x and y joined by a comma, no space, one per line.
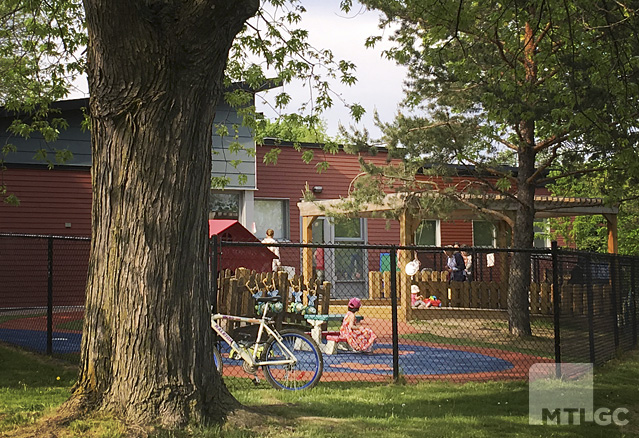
29,388
30,385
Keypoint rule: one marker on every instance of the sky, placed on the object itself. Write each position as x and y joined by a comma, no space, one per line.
379,81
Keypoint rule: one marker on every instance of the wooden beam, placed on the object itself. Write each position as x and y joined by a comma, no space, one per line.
613,238
407,226
545,206
307,253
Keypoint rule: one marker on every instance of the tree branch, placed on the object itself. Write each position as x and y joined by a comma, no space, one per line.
575,172
551,141
508,144
549,161
477,208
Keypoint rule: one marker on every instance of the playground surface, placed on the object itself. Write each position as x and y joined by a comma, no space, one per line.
417,360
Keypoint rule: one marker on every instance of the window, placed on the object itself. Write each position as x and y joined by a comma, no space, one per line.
350,262
542,238
426,234
224,205
272,213
348,230
483,233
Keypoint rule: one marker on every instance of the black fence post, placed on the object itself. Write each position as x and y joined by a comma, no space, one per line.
633,301
50,296
473,261
614,289
556,299
591,310
213,249
393,288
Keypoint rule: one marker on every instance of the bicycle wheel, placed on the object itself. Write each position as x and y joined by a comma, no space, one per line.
302,375
217,357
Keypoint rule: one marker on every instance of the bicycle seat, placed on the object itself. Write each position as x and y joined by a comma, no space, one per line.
268,299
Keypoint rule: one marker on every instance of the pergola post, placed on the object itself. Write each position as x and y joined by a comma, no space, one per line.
307,253
407,226
613,243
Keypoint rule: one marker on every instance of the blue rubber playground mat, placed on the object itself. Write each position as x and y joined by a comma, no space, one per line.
36,340
413,360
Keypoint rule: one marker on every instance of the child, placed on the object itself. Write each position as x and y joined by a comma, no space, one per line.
416,300
359,338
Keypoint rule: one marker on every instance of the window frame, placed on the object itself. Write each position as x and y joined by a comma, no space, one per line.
240,203
543,230
286,219
437,232
494,232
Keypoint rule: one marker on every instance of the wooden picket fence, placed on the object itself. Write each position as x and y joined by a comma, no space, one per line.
236,290
494,295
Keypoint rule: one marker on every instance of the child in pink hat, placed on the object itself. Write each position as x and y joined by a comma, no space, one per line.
359,338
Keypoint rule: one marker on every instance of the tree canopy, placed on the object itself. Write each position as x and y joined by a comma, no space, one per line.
548,85
155,71
486,79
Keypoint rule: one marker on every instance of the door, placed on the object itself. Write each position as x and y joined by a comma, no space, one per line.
350,273
345,268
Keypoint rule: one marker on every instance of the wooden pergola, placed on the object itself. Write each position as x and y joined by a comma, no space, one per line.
545,207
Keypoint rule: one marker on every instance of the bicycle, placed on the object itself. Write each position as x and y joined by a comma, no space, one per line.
289,359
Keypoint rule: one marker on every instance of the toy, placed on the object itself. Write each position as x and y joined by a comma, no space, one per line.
434,302
278,307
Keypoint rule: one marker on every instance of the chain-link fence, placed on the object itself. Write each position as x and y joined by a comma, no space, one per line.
435,313
42,291
431,314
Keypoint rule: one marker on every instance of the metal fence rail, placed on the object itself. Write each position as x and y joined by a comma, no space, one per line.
582,306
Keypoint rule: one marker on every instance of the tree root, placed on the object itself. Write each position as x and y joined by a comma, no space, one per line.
254,418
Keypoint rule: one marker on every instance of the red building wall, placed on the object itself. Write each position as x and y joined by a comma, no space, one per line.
56,201
288,177
49,200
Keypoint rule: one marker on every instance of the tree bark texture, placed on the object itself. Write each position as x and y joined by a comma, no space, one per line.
523,234
155,73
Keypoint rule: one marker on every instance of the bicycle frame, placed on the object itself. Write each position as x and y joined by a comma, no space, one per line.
252,359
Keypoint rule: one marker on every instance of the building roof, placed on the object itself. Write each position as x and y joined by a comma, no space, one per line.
257,258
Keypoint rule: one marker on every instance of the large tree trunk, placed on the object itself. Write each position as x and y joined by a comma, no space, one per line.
523,233
155,73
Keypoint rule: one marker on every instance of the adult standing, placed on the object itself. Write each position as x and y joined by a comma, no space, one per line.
318,262
269,239
455,265
468,261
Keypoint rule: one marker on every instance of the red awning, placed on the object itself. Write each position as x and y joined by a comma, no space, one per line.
257,258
